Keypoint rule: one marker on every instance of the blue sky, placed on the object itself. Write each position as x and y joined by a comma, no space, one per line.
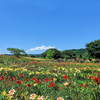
37,25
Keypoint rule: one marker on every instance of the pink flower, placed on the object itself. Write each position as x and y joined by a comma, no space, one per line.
10,95
60,98
12,91
32,96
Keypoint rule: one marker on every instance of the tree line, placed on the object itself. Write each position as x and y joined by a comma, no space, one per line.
92,51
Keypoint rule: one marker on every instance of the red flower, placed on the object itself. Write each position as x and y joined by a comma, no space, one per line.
80,85
98,82
12,79
27,79
38,81
71,87
98,73
19,89
51,78
5,78
5,73
91,77
65,77
96,79
28,85
15,63
18,81
85,86
46,79
0,78
52,84
48,85
61,88
6,81
67,85
21,75
8,76
8,84
34,79
23,82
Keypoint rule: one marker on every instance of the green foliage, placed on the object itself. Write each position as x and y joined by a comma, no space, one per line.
16,52
62,55
25,54
57,53
1,60
50,54
67,57
44,54
96,61
94,48
70,53
2,97
32,55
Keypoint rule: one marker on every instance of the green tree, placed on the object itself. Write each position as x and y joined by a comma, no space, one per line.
50,54
70,53
94,48
62,55
57,53
44,54
16,52
25,54
32,55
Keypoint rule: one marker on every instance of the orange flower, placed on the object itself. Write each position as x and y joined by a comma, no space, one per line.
19,89
80,85
61,88
71,87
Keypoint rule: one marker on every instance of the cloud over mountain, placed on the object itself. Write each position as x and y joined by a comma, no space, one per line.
40,48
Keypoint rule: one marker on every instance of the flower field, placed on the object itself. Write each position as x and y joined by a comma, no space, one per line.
37,79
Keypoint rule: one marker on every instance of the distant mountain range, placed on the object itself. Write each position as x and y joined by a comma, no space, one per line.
77,51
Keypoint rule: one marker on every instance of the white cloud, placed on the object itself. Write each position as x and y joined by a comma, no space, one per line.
9,53
40,48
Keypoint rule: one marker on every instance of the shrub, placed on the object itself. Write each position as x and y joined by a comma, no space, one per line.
1,60
96,61
32,55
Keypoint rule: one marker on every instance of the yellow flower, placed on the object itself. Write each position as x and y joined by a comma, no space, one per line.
74,83
4,93
65,83
63,68
74,74
37,72
59,73
54,79
98,69
70,69
30,73
55,66
35,84
26,92
93,60
59,68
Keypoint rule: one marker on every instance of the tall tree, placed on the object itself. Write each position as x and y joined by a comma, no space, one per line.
57,53
16,52
94,48
50,54
70,53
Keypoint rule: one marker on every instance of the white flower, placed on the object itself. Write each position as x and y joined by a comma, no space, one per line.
32,96
12,91
60,98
